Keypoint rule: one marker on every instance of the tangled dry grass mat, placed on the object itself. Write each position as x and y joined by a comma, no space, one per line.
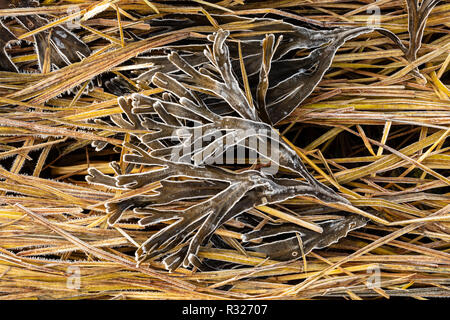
224,149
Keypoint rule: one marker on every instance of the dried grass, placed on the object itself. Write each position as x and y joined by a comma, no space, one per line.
370,129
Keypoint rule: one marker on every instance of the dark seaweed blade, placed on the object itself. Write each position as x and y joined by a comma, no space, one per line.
294,38
69,45
289,93
65,47
269,47
290,248
172,191
228,89
209,213
280,190
231,92
5,62
285,189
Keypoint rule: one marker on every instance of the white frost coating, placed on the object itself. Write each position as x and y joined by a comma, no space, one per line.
239,190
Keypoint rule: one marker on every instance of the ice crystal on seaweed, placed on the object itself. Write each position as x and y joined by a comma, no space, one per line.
418,12
172,122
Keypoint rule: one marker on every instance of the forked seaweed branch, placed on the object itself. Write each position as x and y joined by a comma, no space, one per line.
179,144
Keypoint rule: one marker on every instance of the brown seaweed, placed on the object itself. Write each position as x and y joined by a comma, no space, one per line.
229,193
